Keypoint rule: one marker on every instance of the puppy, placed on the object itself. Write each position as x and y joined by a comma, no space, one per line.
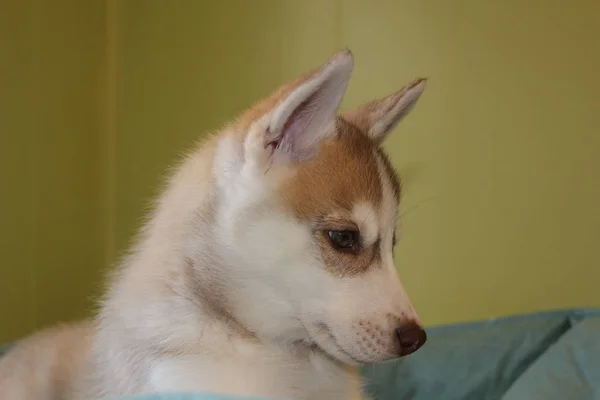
265,269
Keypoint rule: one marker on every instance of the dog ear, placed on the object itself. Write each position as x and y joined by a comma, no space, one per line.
378,118
307,115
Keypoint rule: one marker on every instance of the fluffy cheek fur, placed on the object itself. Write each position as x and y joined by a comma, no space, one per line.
278,268
295,298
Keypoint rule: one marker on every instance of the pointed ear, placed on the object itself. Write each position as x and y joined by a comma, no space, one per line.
307,115
378,118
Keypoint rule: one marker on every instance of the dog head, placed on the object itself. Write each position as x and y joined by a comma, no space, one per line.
305,220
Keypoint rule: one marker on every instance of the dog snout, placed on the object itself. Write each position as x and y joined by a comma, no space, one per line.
411,338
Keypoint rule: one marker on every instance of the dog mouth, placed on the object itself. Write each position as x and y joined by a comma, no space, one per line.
328,339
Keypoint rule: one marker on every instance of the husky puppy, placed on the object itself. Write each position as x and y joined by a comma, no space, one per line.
265,269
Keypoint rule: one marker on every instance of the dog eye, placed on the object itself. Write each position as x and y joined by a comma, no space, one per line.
344,240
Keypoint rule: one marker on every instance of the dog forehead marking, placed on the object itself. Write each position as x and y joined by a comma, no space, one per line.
367,220
343,173
346,174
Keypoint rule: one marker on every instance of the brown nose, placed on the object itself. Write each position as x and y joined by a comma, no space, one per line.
411,337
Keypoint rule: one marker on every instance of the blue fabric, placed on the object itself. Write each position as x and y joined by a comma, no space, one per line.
570,369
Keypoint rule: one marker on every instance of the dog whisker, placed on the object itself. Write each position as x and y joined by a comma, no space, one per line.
413,208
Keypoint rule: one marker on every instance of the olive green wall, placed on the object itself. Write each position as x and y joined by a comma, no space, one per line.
51,168
499,158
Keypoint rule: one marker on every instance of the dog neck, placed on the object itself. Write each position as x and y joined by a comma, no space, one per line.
171,284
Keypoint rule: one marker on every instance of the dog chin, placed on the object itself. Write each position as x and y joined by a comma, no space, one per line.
323,340
336,353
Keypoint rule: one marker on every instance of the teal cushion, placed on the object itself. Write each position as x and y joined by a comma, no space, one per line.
570,369
468,361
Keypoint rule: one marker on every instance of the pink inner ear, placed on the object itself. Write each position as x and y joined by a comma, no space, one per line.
299,135
301,121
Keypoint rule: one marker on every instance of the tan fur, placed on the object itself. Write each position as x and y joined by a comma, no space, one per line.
345,172
241,228
47,363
